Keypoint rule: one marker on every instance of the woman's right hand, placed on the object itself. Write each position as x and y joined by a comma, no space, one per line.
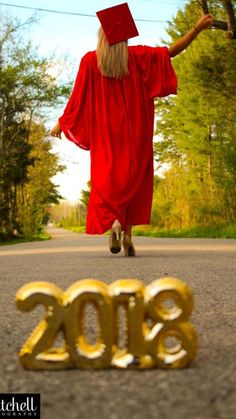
56,131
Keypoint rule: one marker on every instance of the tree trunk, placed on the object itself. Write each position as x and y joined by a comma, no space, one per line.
231,18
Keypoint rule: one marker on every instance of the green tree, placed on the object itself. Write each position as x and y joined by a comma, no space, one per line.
85,194
36,195
26,90
197,129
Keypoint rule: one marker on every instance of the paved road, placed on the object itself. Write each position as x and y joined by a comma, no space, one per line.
206,390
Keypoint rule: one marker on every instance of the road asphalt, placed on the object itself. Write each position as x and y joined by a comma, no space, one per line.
205,390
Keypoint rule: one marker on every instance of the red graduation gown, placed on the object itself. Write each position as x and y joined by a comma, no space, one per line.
114,120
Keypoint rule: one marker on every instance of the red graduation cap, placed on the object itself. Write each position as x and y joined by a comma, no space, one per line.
117,23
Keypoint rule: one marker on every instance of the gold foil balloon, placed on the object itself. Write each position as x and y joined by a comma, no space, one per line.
75,299
37,352
172,341
158,332
128,293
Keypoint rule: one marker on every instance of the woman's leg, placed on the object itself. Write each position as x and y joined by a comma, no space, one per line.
127,242
128,231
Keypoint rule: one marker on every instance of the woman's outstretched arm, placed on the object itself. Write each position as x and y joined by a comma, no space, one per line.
205,21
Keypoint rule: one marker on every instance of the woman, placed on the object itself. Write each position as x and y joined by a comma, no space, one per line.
111,113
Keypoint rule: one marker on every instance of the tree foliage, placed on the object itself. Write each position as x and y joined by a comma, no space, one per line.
197,130
67,214
26,163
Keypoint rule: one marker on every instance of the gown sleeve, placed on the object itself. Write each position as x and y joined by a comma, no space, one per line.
158,72
75,120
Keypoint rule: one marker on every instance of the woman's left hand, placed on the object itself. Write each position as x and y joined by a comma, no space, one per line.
56,131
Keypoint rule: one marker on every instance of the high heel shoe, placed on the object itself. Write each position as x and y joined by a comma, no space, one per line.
115,237
128,246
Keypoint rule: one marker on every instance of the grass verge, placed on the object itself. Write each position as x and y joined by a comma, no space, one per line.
223,231
42,236
80,229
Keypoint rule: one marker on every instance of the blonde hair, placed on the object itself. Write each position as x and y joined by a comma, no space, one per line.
112,59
